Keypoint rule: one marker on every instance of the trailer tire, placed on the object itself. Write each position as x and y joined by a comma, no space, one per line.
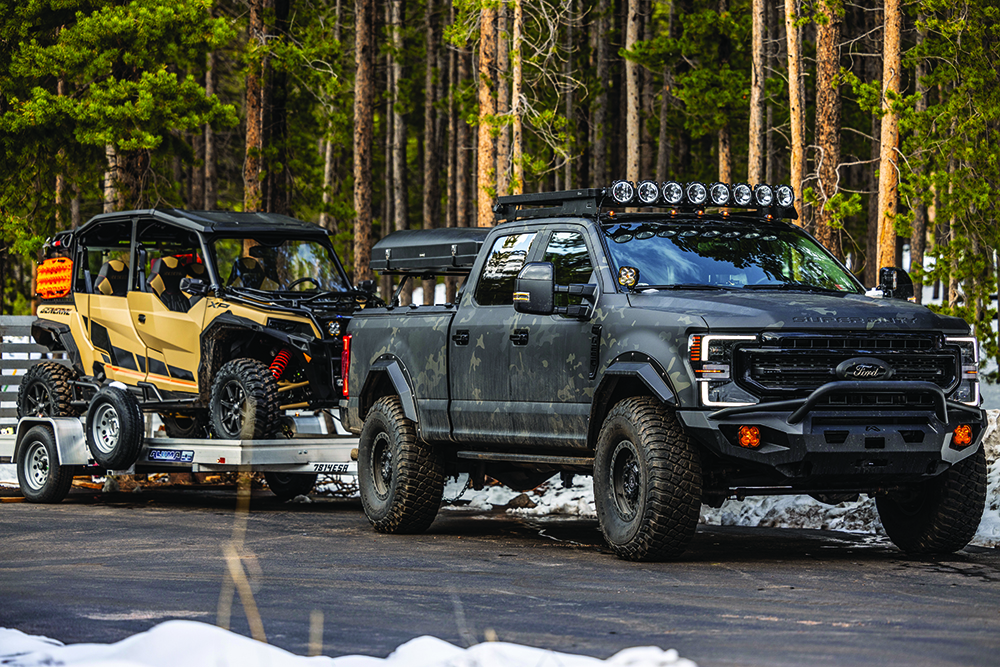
288,485
401,478
41,478
114,428
244,401
939,516
46,390
647,481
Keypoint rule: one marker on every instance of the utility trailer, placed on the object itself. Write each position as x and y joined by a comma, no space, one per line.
50,451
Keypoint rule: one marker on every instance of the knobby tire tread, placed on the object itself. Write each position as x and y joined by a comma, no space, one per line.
260,386
59,379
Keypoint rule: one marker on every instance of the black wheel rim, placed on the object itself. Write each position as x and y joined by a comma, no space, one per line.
39,401
231,406
382,465
626,479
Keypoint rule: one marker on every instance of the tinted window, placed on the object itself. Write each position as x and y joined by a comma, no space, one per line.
568,253
496,284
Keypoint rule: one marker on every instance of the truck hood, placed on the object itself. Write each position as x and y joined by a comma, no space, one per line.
777,309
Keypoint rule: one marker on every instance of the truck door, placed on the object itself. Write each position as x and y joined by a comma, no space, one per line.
479,363
553,357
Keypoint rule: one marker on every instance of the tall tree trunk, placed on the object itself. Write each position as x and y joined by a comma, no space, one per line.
646,156
252,194
399,141
873,73
795,108
463,156
111,195
828,123
756,155
432,161
725,132
888,181
632,94
517,140
211,169
503,101
599,173
918,235
487,155
569,103
364,109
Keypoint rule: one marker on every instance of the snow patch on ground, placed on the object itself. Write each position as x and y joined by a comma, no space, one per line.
201,645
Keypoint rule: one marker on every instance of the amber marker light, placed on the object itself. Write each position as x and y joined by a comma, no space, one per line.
962,436
749,437
695,350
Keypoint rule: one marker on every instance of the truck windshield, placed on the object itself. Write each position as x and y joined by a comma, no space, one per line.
726,255
275,265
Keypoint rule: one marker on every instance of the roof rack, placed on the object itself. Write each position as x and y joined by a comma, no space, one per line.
769,202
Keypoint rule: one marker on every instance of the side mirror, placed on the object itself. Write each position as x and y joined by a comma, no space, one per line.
895,283
534,289
195,286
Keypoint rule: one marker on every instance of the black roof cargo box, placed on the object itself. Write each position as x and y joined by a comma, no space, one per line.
450,250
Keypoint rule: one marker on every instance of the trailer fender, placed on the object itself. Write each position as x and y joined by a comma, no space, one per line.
71,440
391,367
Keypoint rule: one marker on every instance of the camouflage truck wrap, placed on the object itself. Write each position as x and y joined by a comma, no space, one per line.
683,355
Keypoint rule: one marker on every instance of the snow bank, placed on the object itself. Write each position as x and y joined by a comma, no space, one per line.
197,644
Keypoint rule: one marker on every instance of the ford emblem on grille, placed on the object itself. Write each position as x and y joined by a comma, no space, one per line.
864,368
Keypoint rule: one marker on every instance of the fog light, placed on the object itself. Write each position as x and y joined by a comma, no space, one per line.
749,437
962,436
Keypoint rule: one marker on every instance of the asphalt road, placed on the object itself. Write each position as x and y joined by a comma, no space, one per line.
100,568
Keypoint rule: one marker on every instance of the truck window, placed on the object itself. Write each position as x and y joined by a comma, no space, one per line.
496,284
568,253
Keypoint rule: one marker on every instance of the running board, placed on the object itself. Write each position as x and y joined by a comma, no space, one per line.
527,458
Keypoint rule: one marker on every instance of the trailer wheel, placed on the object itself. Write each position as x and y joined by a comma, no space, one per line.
46,391
184,426
939,516
114,428
401,478
244,401
288,485
41,478
647,481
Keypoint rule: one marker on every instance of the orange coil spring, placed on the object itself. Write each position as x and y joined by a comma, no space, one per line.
280,363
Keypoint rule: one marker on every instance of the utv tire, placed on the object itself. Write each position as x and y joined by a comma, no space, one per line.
287,485
46,391
244,401
939,516
41,478
114,428
647,482
184,426
401,478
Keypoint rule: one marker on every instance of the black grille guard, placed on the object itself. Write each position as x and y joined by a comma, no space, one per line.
800,407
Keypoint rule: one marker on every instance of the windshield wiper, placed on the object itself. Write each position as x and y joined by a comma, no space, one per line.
803,287
683,286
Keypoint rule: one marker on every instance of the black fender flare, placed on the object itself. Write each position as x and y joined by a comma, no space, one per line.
644,370
391,367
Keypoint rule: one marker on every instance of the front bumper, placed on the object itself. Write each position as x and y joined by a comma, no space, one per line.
808,443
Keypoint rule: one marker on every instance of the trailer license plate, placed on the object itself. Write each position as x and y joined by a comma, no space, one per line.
334,468
171,455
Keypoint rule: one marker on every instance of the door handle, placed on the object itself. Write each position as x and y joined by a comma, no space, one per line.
461,337
142,319
519,337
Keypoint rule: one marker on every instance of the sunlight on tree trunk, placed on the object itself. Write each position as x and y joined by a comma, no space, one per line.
487,110
363,135
888,181
795,109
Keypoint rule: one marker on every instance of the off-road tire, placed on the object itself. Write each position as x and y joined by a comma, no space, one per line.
288,485
939,516
114,428
184,426
243,404
647,481
46,391
401,478
41,478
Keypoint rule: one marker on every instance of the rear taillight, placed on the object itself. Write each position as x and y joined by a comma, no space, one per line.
345,363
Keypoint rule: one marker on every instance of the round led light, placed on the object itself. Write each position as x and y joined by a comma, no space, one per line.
763,194
648,192
628,276
696,193
719,193
742,194
333,327
785,195
623,192
672,192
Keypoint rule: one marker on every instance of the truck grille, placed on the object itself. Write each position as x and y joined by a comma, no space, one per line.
791,366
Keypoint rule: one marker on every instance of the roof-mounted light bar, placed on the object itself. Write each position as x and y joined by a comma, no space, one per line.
696,193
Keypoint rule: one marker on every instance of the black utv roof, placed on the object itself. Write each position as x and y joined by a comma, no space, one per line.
216,222
445,251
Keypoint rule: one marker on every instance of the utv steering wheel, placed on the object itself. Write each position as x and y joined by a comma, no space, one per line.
302,280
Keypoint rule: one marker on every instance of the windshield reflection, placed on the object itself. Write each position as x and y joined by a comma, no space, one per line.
272,265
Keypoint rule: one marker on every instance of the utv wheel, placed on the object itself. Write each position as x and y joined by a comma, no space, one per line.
184,426
647,482
114,428
46,391
244,401
401,478
287,485
41,478
939,516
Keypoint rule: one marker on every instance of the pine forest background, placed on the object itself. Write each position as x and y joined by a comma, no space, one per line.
370,117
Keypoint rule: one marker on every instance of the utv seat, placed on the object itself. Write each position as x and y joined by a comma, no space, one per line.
112,279
165,282
249,272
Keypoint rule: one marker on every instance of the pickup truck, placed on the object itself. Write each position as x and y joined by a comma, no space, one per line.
683,343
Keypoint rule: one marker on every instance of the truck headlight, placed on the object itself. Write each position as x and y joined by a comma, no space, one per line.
711,358
968,387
